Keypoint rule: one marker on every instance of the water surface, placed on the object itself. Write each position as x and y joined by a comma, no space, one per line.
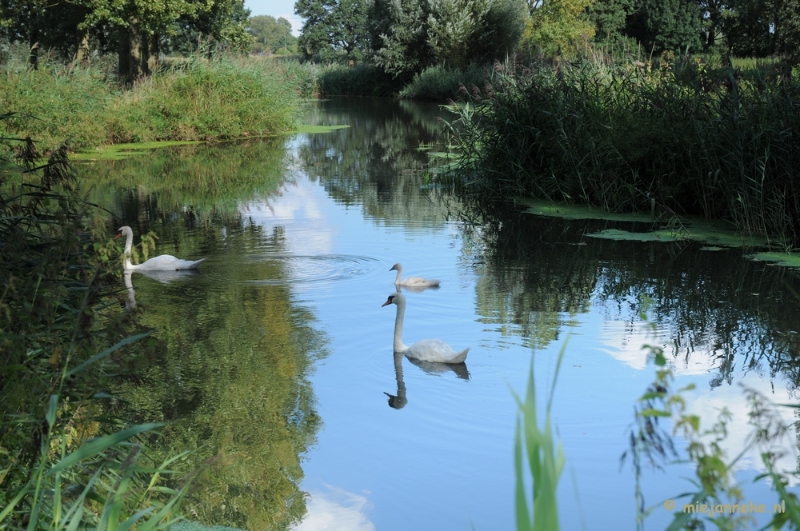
275,360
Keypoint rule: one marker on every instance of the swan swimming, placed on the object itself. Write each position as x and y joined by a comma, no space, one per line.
412,282
164,262
425,349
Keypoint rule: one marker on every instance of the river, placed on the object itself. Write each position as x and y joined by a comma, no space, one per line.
274,362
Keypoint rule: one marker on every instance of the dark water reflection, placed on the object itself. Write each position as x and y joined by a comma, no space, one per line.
737,313
274,363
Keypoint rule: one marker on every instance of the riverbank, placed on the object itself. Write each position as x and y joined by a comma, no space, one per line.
207,100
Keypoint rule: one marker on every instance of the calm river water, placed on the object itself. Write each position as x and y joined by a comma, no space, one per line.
275,360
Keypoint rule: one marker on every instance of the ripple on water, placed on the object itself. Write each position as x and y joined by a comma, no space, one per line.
303,269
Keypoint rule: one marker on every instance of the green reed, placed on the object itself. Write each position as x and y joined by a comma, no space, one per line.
693,137
536,445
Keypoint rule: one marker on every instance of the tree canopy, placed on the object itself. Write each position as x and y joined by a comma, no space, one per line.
271,35
137,29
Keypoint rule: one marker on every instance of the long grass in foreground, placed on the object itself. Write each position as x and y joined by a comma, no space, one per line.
536,446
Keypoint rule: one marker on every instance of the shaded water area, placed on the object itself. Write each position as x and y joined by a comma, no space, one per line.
274,362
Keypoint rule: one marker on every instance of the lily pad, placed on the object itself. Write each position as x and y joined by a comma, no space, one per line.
564,211
782,259
718,235
617,234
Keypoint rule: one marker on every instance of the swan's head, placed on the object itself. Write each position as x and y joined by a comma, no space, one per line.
394,298
123,231
396,267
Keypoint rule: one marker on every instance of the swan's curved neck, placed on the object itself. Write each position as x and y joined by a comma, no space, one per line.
399,272
128,250
398,325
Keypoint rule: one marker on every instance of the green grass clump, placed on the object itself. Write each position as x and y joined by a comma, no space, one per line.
536,446
438,83
199,99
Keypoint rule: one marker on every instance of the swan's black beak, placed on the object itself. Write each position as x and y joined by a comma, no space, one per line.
388,301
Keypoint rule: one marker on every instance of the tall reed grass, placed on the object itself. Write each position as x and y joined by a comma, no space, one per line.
693,137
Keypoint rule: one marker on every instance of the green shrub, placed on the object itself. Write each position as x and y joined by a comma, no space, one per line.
438,83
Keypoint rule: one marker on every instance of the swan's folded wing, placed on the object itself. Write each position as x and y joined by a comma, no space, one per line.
436,350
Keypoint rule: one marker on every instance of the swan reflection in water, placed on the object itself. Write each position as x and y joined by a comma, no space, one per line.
415,289
165,277
399,400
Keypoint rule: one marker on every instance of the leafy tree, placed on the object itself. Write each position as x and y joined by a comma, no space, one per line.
556,26
747,28
610,17
398,33
409,36
333,28
662,25
270,34
787,29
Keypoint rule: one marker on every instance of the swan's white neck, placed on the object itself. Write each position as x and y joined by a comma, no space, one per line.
398,323
128,248
399,272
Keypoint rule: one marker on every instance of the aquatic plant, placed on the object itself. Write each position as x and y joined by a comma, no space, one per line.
714,485
536,446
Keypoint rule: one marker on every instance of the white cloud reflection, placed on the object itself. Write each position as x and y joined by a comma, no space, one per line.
336,510
624,341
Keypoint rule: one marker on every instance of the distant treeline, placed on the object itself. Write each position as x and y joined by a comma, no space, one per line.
409,36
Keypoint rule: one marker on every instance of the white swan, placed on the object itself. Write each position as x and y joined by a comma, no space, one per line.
425,349
412,282
165,262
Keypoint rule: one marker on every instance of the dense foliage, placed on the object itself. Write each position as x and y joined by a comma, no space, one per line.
405,38
686,137
137,30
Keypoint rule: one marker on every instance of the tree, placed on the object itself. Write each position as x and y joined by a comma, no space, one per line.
271,35
333,28
673,25
610,17
409,36
556,27
787,28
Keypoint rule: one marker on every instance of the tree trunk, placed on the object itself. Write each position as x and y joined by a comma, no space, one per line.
124,55
33,56
130,52
153,51
82,54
